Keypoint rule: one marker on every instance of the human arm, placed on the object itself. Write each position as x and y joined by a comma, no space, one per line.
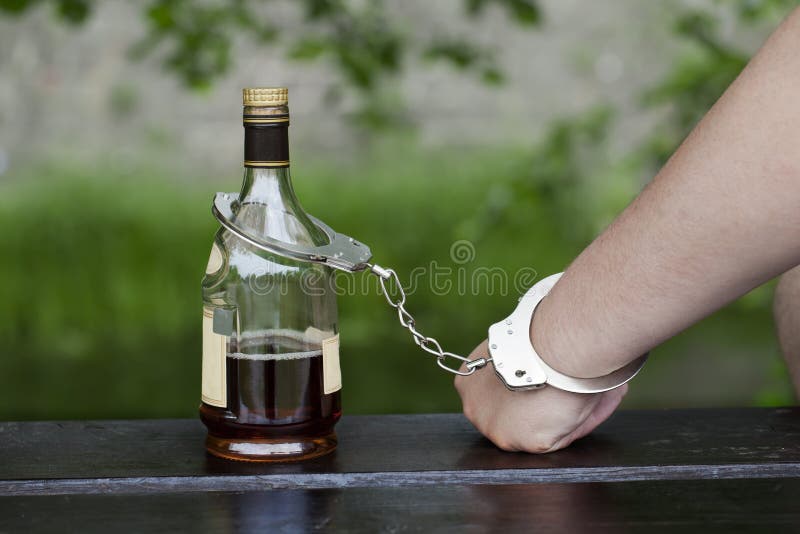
722,217
787,322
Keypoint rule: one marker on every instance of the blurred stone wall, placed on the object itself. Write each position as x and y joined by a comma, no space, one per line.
72,92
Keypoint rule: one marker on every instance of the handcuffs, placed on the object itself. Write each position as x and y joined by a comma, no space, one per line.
511,353
520,367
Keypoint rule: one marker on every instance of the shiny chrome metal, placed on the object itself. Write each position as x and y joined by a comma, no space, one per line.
519,366
389,274
515,361
345,253
342,252
390,284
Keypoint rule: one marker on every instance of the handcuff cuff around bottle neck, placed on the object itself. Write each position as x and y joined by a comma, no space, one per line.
511,353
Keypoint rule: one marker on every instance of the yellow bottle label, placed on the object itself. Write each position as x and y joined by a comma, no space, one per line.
215,260
331,372
214,390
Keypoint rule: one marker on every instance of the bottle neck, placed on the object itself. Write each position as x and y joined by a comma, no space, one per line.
267,204
268,187
266,140
266,158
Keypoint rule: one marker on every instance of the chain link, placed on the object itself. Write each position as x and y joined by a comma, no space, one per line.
396,298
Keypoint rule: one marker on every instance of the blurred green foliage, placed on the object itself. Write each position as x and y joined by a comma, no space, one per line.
71,11
705,69
100,314
100,311
367,43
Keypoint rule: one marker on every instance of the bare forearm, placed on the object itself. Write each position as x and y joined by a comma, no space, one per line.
787,322
722,217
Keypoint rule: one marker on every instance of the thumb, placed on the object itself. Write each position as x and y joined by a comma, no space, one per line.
609,402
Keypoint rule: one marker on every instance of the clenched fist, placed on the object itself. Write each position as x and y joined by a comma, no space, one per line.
538,421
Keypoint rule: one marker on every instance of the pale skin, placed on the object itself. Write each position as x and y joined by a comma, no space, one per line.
721,218
787,322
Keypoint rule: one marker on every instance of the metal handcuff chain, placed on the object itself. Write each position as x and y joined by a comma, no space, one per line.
345,254
390,284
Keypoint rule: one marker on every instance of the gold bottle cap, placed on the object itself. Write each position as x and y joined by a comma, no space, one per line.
265,96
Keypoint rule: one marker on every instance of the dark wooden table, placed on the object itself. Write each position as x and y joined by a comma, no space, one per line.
709,470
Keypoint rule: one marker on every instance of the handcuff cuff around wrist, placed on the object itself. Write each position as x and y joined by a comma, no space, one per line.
511,353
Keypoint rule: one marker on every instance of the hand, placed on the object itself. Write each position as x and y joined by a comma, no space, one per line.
538,421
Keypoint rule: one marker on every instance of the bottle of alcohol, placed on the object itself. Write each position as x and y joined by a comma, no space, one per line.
271,380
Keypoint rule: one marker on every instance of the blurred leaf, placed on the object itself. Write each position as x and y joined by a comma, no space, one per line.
524,12
160,15
492,76
754,10
457,52
17,6
317,9
463,55
195,36
308,48
697,24
73,11
474,7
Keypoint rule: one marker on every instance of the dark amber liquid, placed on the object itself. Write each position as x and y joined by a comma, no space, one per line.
277,411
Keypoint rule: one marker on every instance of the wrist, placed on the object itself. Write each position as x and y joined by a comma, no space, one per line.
519,365
554,342
542,329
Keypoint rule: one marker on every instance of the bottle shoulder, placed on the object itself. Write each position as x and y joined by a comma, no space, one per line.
267,206
233,261
294,227
268,291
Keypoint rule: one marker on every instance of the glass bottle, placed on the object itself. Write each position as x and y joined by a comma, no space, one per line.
271,379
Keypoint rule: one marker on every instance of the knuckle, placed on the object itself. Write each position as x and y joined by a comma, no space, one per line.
502,442
542,445
500,439
469,411
458,383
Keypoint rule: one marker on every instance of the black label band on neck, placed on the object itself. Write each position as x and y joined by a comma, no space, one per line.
266,144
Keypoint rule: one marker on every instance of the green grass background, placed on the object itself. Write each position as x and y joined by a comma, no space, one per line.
100,294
